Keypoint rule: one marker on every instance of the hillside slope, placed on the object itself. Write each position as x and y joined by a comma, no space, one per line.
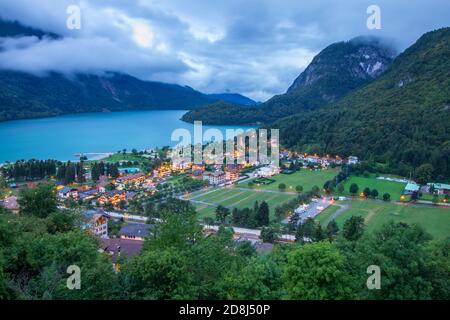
402,118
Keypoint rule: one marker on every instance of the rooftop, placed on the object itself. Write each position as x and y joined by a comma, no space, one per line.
439,185
124,247
135,230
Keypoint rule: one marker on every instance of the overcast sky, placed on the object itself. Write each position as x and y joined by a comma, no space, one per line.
254,47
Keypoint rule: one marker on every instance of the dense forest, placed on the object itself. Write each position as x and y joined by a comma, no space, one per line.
402,119
223,112
179,262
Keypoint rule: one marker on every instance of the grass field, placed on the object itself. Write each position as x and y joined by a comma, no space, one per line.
305,178
126,157
435,220
234,197
395,189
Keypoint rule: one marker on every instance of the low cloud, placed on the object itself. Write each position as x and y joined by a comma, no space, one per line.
254,47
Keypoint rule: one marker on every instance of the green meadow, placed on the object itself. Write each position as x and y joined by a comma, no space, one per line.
305,178
435,220
238,198
395,189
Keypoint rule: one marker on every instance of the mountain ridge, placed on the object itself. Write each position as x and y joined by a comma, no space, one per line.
401,119
26,95
337,70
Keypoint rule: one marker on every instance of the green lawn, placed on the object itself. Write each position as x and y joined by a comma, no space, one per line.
325,214
395,189
234,197
435,220
305,178
430,197
126,157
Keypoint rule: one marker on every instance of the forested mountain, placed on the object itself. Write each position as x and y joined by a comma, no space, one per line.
235,98
334,72
224,112
402,118
24,95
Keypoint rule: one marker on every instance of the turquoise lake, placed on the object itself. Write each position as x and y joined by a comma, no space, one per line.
64,136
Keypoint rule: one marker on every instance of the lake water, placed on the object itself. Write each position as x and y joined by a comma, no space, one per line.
64,136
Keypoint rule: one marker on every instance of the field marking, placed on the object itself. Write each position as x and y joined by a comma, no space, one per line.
228,198
222,192
201,194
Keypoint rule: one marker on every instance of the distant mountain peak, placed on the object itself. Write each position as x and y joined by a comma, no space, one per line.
359,59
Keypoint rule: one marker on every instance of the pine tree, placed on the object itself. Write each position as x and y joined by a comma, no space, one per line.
332,229
262,215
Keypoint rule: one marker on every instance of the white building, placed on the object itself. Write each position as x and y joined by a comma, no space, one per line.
267,171
352,160
182,165
214,178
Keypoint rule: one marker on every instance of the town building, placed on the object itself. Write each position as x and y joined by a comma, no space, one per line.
267,171
102,183
97,223
132,180
88,195
439,188
232,172
181,165
411,188
114,197
135,231
67,192
118,248
214,178
352,160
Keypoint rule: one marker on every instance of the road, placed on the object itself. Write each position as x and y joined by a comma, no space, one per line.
341,210
313,209
237,230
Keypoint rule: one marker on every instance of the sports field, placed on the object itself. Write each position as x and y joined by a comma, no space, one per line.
305,178
435,220
236,197
395,189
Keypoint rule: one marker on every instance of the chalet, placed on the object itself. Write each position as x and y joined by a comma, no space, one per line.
114,197
98,223
181,165
439,188
88,195
214,178
66,192
232,172
135,231
103,182
130,180
119,248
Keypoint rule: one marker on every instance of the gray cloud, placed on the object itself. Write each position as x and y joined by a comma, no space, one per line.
255,47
